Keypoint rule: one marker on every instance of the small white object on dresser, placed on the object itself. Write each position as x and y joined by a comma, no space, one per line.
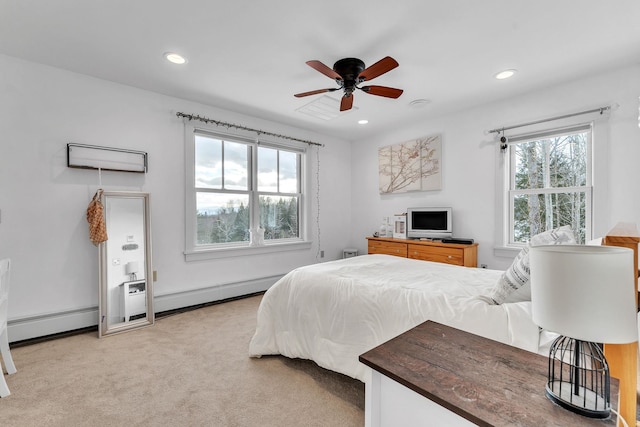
400,226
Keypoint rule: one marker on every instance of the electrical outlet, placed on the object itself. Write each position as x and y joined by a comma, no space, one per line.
321,254
484,266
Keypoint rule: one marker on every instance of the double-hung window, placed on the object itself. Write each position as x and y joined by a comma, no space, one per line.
241,193
549,183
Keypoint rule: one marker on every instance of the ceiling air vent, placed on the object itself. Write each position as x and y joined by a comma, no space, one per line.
324,108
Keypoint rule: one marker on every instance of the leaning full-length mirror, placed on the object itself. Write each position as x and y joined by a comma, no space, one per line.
126,285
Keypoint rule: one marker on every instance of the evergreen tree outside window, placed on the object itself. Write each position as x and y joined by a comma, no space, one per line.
240,185
550,183
279,193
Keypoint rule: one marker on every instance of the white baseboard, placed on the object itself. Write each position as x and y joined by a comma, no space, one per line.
214,293
48,324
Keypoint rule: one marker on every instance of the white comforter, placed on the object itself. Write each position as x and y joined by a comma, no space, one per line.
335,311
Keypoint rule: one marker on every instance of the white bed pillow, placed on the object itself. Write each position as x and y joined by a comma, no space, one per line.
513,284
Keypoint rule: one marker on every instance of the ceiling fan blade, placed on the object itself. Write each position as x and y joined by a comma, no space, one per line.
346,103
388,92
314,92
385,64
319,66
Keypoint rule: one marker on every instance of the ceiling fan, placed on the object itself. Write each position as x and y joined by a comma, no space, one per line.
349,73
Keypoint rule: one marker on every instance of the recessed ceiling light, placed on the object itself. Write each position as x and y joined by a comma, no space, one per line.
419,103
363,122
505,74
175,58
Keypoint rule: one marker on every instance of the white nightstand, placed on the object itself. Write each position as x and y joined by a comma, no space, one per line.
134,299
431,375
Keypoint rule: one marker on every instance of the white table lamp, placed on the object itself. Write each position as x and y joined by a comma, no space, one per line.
587,295
131,268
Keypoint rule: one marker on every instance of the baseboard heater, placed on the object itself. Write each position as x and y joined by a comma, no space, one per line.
31,327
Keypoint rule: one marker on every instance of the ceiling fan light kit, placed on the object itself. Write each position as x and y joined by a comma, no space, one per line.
351,72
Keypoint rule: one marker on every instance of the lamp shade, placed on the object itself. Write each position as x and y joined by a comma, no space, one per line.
131,267
584,292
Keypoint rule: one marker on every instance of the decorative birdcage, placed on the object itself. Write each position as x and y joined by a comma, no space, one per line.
578,377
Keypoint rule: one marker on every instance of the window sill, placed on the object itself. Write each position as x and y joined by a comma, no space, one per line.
228,252
506,251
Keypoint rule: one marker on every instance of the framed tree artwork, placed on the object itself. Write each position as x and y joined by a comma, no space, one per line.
411,166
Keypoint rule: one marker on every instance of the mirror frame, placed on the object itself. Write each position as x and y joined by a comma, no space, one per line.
104,329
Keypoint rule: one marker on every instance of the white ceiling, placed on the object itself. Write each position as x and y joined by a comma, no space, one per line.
249,56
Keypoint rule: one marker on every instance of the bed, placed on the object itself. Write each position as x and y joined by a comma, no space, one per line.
332,312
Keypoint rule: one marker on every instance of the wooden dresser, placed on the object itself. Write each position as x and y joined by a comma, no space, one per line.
449,253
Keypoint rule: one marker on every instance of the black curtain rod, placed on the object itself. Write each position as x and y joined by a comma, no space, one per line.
600,110
240,127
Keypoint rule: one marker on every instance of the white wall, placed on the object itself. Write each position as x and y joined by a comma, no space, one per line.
43,203
471,161
43,225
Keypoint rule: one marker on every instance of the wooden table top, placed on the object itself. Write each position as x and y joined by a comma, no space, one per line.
484,381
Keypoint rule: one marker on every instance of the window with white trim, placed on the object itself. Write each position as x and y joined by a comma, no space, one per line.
549,183
241,193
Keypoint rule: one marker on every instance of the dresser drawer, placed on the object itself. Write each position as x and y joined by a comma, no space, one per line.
449,253
437,254
388,248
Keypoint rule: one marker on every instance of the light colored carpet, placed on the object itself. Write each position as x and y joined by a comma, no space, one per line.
189,369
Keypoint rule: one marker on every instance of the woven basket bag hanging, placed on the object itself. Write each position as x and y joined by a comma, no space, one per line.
95,218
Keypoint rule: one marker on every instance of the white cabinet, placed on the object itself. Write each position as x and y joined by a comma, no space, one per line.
436,375
134,299
389,403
